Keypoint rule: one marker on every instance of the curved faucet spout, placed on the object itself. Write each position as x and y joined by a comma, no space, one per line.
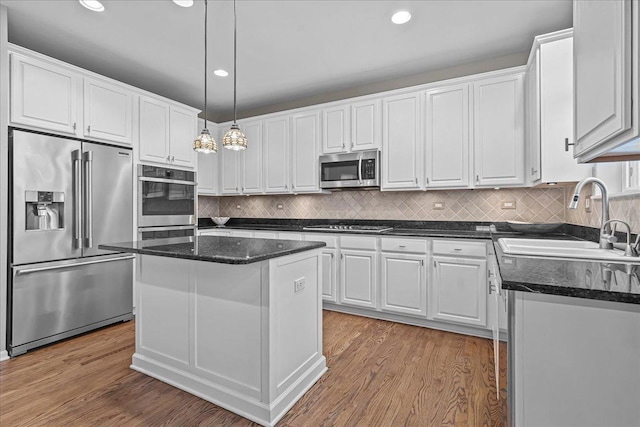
606,228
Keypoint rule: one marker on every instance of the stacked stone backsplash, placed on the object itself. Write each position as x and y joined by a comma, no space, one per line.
531,204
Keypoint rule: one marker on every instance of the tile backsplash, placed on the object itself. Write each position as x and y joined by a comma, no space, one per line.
529,204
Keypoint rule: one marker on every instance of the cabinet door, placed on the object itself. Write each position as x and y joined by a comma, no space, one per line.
154,130
404,284
631,176
498,131
183,126
447,136
276,155
365,125
358,278
532,98
305,138
459,291
107,111
208,174
329,274
335,126
251,166
602,74
401,149
230,171
43,95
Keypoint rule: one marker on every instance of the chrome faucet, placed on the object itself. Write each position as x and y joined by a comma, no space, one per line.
629,249
606,227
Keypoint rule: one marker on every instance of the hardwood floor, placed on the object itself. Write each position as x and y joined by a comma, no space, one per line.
380,374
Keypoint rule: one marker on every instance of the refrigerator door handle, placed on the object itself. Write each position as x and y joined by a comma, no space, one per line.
76,157
88,198
57,267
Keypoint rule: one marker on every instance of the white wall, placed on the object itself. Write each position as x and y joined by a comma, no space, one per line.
4,162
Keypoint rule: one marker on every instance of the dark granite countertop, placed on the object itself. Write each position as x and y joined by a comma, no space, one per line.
576,278
599,280
225,250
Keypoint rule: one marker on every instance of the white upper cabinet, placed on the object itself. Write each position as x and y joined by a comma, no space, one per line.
230,175
365,125
498,130
351,127
276,154
154,130
167,132
252,157
606,75
401,143
549,103
208,166
107,111
447,136
44,95
305,140
183,128
335,129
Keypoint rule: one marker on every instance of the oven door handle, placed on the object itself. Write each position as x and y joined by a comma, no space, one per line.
166,181
168,228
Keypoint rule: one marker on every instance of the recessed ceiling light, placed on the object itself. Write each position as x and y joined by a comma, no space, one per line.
401,17
220,73
93,5
184,3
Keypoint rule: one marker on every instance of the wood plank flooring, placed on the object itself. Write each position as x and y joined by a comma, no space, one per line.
380,374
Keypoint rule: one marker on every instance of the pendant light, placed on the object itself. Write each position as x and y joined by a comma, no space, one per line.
234,139
205,143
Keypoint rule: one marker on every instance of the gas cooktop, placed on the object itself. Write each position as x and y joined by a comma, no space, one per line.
349,228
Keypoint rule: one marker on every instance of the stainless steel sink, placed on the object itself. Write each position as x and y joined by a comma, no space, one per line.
571,249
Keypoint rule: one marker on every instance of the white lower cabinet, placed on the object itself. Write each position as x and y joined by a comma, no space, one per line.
403,283
358,277
459,290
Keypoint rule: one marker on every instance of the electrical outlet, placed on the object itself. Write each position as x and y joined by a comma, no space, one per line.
238,207
438,206
510,204
299,284
279,206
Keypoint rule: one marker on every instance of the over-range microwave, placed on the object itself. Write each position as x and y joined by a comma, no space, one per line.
350,170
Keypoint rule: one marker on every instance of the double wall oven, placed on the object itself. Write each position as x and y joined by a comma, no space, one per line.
167,202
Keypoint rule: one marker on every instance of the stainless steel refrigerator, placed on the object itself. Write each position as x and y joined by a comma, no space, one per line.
67,197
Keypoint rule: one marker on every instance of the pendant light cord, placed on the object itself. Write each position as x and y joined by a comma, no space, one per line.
205,63
235,19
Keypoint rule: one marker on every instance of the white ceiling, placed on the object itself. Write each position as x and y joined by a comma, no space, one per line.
287,49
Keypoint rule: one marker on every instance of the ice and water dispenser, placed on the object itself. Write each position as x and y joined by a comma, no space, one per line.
44,210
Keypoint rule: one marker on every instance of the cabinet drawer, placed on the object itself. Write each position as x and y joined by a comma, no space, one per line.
358,242
460,248
331,241
391,244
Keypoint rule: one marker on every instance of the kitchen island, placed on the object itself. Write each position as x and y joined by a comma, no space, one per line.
235,321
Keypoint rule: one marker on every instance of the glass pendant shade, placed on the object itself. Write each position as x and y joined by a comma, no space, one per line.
234,139
205,143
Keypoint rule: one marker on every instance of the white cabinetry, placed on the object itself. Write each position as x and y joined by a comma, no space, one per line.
358,271
549,85
230,171
447,136
561,348
107,111
401,143
498,130
403,280
631,177
251,167
351,127
459,285
606,58
44,95
166,133
329,264
208,166
276,154
305,141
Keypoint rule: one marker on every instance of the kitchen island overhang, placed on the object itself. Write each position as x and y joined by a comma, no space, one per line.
235,321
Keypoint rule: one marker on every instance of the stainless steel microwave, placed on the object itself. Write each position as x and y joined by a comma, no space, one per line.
350,170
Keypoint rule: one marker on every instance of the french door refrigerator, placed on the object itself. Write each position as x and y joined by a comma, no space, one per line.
67,197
